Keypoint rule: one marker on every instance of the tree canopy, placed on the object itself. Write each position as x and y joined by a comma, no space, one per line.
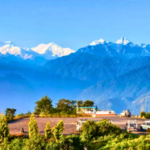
87,103
44,105
65,105
10,113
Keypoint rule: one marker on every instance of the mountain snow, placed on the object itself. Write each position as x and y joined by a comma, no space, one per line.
123,41
52,47
48,51
100,41
11,49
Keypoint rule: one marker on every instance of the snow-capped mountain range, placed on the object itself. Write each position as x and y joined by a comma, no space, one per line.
113,75
48,51
122,47
100,47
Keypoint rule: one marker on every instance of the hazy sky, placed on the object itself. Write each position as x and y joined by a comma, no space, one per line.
73,23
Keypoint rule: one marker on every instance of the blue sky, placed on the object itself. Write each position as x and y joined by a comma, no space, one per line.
73,23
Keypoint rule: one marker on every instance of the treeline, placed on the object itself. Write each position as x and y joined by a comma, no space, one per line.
145,114
44,107
64,106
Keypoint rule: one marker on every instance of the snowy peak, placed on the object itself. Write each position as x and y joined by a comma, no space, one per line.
123,41
100,41
123,47
53,48
8,47
48,51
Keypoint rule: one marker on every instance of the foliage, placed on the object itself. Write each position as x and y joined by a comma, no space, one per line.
143,114
88,103
53,146
17,143
28,113
44,105
101,135
35,143
148,115
80,103
22,114
104,127
4,130
48,131
58,129
71,142
88,131
65,105
33,128
10,113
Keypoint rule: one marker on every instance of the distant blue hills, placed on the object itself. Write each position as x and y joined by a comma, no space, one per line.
115,76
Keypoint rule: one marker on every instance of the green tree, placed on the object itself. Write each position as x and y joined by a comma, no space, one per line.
48,131
67,106
33,127
148,115
104,127
10,113
28,113
4,130
58,129
80,103
88,103
44,105
143,114
88,131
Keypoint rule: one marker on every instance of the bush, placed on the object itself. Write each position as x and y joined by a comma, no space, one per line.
28,113
88,131
35,143
58,129
143,114
17,144
48,131
33,128
104,127
148,115
74,142
53,146
4,130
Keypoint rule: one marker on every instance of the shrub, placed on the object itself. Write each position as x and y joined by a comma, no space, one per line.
74,142
88,131
35,143
33,128
17,144
4,130
48,131
58,129
104,127
52,146
143,114
148,115
28,113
